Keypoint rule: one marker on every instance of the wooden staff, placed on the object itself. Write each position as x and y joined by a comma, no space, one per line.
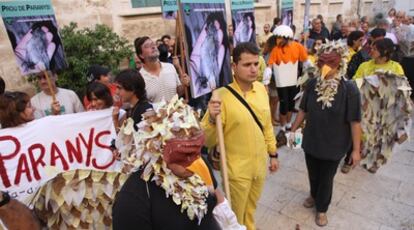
223,161
176,38
180,40
49,83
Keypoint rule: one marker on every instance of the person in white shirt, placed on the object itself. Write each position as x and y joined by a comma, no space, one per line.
383,24
161,79
391,15
66,100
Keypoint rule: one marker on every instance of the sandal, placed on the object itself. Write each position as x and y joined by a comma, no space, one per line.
321,219
214,158
346,168
281,139
373,169
309,202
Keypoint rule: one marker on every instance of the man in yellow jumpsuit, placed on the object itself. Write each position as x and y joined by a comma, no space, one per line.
248,146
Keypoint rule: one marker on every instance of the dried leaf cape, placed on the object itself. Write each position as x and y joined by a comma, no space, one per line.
79,199
387,112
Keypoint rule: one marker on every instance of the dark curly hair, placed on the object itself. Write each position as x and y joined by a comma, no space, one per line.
131,80
11,105
244,47
101,92
138,46
354,36
385,47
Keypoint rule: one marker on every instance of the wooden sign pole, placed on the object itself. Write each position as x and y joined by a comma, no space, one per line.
223,161
176,37
49,83
180,40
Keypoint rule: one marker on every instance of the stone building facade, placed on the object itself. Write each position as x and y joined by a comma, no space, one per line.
133,22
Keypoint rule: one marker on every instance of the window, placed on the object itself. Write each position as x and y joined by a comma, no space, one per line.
145,3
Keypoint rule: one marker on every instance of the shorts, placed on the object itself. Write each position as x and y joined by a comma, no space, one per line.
286,99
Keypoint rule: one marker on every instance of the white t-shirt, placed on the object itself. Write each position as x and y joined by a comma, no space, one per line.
392,37
390,20
68,100
163,86
122,113
406,40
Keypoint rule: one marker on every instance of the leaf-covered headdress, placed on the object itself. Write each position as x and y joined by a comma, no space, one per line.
333,54
145,150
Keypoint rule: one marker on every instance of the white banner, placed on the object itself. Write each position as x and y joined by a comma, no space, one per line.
34,153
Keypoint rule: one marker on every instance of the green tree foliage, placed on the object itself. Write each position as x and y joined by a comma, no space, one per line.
84,47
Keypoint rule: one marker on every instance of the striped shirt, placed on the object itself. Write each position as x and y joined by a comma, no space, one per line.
163,86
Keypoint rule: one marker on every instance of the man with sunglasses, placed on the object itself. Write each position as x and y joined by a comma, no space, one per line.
66,100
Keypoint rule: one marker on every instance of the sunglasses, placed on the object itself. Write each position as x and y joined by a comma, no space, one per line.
11,95
41,77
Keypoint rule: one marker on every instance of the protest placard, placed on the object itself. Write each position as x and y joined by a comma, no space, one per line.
287,12
169,9
207,44
244,26
33,32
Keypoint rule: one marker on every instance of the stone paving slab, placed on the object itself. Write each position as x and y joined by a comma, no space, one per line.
361,200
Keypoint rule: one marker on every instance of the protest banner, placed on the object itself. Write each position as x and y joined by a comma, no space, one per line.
38,151
244,26
169,9
287,12
144,3
206,44
33,32
135,3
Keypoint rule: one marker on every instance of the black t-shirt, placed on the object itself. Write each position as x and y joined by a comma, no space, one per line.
327,133
338,35
144,205
356,60
324,34
136,112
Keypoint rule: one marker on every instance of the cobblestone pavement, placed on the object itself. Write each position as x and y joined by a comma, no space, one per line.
361,200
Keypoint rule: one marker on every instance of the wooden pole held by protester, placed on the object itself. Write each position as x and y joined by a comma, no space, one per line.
223,162
49,83
179,41
176,38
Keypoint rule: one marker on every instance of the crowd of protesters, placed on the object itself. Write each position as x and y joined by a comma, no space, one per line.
261,80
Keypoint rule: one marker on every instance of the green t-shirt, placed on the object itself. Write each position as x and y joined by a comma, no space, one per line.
132,64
